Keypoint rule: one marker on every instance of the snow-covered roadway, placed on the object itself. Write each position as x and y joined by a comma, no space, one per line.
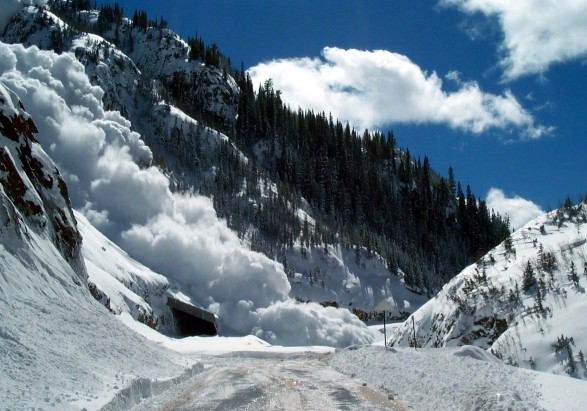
300,382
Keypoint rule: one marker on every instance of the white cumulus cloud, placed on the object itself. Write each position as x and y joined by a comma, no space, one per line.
371,89
537,33
519,210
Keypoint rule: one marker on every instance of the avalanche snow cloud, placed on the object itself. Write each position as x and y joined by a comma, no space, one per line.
107,169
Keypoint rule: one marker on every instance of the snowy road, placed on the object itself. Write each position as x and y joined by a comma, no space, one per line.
292,383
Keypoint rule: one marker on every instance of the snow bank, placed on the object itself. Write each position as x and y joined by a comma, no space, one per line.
476,353
141,388
454,379
106,167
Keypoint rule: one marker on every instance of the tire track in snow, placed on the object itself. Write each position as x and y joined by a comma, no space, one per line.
300,383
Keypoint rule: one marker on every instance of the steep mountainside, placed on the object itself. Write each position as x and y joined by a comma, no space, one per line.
113,183
292,184
524,301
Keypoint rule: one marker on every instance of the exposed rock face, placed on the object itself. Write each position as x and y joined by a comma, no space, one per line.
145,59
34,196
163,55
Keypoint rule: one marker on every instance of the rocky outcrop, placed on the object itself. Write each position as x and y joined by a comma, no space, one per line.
34,196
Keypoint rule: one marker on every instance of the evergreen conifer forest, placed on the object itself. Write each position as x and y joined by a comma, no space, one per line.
365,193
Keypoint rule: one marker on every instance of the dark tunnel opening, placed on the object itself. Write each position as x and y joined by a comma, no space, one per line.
188,325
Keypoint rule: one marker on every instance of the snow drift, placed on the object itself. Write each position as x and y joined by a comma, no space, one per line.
465,378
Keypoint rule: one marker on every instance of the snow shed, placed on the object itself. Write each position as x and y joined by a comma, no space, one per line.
191,320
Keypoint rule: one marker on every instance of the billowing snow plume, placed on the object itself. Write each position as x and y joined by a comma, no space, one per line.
60,348
107,168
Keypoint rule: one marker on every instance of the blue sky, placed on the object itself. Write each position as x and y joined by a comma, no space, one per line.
498,91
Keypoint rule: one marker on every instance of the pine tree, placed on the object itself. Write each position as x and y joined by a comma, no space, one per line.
538,301
581,359
573,276
509,246
571,367
451,182
528,279
512,297
541,255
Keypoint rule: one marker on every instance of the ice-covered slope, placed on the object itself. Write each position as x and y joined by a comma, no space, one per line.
60,348
524,301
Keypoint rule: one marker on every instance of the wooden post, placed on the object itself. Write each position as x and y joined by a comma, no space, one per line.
384,330
383,306
414,326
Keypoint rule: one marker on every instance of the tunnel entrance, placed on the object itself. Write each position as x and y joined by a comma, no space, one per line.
191,320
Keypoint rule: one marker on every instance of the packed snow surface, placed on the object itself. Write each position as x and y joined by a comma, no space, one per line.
465,378
302,382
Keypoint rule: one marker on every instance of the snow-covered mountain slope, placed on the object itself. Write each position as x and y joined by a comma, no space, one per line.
145,57
162,54
524,301
133,85
122,284
60,348
106,167
349,279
